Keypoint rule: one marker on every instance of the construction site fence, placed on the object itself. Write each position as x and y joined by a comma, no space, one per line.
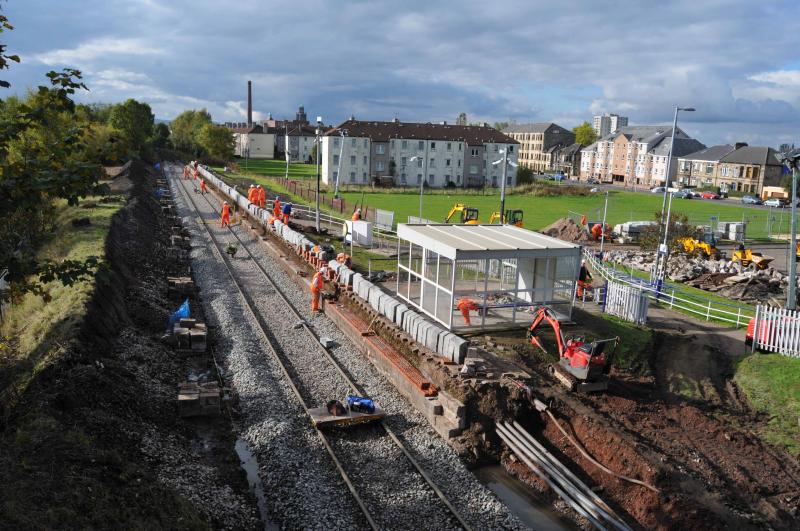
672,297
626,302
777,330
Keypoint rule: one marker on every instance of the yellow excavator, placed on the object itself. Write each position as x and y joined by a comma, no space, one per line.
512,217
747,257
705,247
466,215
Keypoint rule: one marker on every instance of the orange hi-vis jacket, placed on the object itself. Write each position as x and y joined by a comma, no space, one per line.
251,194
356,216
226,211
317,282
261,197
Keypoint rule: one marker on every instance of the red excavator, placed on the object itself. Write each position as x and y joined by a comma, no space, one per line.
582,366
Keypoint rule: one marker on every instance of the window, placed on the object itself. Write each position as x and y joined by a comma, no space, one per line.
336,142
365,159
380,149
449,146
430,179
352,160
403,178
432,163
366,144
709,169
459,147
419,162
511,149
352,176
419,178
391,143
336,159
447,162
404,144
458,179
433,146
459,163
379,166
421,145
473,169
496,148
352,142
403,162
364,176
474,153
335,175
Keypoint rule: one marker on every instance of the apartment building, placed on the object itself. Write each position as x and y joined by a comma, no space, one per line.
605,124
537,142
636,156
298,142
252,142
738,168
405,153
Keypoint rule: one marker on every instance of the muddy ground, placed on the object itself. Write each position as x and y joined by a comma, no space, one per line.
96,441
712,470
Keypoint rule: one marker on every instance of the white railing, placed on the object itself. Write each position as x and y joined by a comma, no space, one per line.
626,302
673,298
777,330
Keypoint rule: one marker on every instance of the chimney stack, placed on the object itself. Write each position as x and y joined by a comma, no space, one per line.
249,104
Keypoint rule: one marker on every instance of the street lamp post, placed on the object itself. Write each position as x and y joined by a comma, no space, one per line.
288,154
791,159
422,181
603,226
319,154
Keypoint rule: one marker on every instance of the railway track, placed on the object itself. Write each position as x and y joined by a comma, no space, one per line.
388,484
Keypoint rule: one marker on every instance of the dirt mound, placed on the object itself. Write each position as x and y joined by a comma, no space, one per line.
567,230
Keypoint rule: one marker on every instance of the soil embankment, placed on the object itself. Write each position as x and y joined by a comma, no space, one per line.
95,440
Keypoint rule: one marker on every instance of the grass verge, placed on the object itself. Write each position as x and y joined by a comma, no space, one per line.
771,383
633,351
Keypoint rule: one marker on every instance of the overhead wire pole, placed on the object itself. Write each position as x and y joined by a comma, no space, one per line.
791,160
506,163
286,148
343,134
603,226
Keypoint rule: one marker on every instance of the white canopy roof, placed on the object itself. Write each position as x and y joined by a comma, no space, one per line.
484,241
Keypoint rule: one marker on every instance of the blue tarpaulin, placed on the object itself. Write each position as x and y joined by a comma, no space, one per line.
182,313
158,165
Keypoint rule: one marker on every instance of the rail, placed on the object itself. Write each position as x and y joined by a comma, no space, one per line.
274,349
673,298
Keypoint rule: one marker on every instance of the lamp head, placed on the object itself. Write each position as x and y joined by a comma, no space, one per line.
319,120
686,109
790,159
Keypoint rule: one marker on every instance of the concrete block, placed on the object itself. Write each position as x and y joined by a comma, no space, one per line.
364,287
443,344
457,349
376,295
390,305
357,279
432,337
399,314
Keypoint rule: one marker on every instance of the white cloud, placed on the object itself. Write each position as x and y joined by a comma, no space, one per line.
92,50
784,78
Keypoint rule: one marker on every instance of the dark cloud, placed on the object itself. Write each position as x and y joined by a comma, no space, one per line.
418,60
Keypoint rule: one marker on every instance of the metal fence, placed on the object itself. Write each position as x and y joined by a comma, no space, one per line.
777,330
626,302
672,297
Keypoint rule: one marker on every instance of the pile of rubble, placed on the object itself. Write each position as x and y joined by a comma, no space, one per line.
568,230
725,277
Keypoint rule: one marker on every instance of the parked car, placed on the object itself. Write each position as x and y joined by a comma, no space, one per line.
751,200
684,194
709,195
592,180
776,202
657,190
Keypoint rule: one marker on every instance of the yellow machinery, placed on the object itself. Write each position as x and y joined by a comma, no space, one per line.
512,217
467,215
707,248
797,252
747,257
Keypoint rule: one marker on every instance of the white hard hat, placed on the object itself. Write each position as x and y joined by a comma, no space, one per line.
252,186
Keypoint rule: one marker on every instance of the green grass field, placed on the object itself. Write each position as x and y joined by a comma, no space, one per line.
539,211
771,383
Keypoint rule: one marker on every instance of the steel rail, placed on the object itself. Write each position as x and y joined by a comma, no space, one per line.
355,387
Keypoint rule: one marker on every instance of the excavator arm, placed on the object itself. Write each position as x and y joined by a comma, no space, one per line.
546,314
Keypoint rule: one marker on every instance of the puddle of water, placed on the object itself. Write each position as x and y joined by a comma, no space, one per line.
520,500
250,466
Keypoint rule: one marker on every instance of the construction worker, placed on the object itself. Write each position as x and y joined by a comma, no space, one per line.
203,188
317,284
225,220
252,196
583,220
261,196
597,231
584,279
287,212
467,305
186,172
196,174
276,207
357,214
344,258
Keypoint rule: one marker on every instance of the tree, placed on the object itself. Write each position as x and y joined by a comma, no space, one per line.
185,128
585,134
501,125
217,140
314,153
134,120
679,227
104,144
524,175
160,137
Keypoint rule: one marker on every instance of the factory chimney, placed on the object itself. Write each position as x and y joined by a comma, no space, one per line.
249,104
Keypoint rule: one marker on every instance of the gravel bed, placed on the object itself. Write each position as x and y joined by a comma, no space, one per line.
304,491
475,502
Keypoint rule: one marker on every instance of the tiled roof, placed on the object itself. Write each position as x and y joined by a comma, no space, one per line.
681,147
538,127
752,155
255,129
473,135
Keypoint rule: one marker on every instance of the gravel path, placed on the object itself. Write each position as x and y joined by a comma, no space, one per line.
405,499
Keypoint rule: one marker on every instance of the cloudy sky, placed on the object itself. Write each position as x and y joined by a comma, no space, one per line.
736,61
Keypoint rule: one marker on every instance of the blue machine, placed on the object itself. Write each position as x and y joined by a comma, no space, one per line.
360,404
